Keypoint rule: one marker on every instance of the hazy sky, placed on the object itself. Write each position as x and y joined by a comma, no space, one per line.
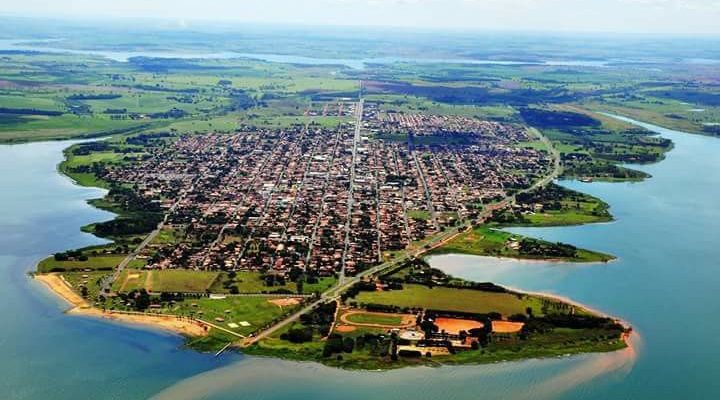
650,16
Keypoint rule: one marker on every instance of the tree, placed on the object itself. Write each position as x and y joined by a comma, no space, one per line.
142,300
348,345
300,335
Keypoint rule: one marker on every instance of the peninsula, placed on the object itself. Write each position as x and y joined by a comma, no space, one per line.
286,210
307,241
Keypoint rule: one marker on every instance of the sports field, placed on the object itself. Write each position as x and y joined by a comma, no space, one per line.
376,319
454,326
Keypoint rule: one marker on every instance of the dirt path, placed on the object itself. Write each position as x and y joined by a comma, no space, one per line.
149,281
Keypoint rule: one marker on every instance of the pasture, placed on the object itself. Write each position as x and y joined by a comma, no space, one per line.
449,299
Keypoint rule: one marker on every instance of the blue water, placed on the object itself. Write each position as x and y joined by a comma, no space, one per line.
49,355
358,63
665,283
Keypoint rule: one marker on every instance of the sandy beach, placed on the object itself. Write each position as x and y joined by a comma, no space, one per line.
80,306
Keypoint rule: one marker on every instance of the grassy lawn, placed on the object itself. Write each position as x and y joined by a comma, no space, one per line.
420,215
169,235
87,179
483,241
276,347
180,281
448,299
480,241
257,311
252,282
214,341
566,216
375,319
102,262
322,285
560,341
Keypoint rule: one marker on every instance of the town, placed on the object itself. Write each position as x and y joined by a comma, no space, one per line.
327,201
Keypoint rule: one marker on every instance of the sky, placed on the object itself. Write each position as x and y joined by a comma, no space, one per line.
621,16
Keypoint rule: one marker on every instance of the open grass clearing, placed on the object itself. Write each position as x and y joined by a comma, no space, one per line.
100,262
243,315
484,241
171,281
376,319
253,282
449,299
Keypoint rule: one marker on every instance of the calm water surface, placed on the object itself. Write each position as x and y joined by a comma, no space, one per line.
359,63
46,354
667,238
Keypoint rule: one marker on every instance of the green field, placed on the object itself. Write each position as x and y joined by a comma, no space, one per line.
560,342
169,235
569,215
252,282
101,262
560,207
170,281
34,128
257,311
375,319
273,346
484,241
449,299
420,215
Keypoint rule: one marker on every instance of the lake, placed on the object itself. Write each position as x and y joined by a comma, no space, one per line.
46,354
667,238
47,46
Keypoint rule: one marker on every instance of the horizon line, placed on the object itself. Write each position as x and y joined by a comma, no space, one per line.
190,24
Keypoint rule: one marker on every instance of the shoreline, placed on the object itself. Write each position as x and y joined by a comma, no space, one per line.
193,328
554,261
622,357
80,307
565,299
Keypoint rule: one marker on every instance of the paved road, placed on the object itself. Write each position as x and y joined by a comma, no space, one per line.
107,282
351,200
430,205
